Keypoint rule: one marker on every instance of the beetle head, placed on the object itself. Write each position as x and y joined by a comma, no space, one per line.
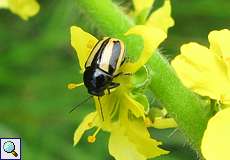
96,81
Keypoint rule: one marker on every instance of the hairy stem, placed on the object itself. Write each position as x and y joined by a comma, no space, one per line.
106,16
186,107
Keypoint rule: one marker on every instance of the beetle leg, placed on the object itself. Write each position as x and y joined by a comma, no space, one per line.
126,59
108,90
127,74
117,75
113,85
121,73
123,61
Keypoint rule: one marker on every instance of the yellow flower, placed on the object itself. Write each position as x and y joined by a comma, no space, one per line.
161,18
216,140
123,115
206,70
142,6
23,8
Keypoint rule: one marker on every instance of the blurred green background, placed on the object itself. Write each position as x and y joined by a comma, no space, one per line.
37,61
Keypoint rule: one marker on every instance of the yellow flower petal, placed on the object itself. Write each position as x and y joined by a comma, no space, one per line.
136,108
219,44
141,5
161,18
152,37
147,146
200,70
216,140
140,137
86,124
133,143
4,4
83,43
24,8
107,103
121,148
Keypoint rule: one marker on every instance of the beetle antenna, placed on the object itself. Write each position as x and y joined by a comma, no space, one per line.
101,108
85,100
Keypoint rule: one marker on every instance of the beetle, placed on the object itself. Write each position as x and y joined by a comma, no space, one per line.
103,65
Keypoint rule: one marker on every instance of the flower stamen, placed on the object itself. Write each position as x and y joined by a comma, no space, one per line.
92,138
72,86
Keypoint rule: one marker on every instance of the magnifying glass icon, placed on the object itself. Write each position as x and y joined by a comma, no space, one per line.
9,147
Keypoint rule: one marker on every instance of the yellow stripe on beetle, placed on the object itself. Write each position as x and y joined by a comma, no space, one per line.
102,65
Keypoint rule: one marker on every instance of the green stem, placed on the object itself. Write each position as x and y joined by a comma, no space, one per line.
184,106
106,16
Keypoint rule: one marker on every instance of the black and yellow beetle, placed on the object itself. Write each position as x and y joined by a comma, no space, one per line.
102,66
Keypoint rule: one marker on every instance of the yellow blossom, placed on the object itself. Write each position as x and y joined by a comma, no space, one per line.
206,70
142,7
23,8
153,38
123,116
216,140
161,18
